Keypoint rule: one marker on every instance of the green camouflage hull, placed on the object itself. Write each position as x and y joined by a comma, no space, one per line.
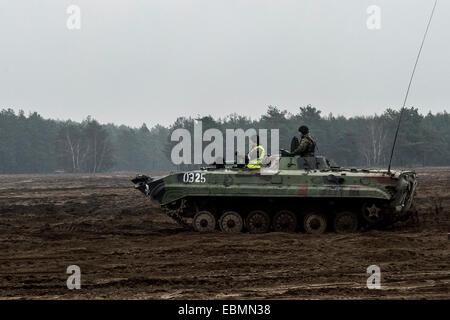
292,186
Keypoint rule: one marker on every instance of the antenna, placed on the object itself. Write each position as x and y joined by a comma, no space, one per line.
409,86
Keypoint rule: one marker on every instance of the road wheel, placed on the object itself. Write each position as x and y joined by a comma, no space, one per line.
284,221
346,222
258,221
204,221
315,223
231,222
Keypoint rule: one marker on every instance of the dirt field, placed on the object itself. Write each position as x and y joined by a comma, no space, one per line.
127,249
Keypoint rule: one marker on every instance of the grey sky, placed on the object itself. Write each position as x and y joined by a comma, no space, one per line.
151,61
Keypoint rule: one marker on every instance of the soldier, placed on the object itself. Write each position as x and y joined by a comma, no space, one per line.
307,144
256,155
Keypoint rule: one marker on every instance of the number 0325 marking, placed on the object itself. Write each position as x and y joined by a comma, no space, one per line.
194,177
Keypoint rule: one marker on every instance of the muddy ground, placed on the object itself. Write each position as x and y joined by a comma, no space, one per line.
127,249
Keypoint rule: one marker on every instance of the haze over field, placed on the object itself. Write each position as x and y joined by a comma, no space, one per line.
152,61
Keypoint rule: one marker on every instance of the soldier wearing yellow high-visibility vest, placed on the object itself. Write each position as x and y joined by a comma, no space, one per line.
256,155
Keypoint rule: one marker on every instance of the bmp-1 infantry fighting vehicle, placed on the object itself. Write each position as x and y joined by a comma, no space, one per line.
297,193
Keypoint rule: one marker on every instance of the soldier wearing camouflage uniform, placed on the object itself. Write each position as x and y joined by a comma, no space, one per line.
307,145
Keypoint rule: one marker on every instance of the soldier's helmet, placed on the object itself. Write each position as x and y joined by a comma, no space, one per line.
303,129
255,139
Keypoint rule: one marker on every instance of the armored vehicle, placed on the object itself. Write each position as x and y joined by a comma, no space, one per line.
292,194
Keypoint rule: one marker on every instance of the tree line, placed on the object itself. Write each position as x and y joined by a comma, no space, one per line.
32,144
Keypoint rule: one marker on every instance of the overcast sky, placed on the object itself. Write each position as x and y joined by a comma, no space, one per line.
152,61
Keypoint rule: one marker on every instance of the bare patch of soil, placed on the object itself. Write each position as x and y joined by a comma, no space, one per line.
127,249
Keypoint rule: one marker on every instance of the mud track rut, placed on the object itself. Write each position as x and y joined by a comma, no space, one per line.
127,249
